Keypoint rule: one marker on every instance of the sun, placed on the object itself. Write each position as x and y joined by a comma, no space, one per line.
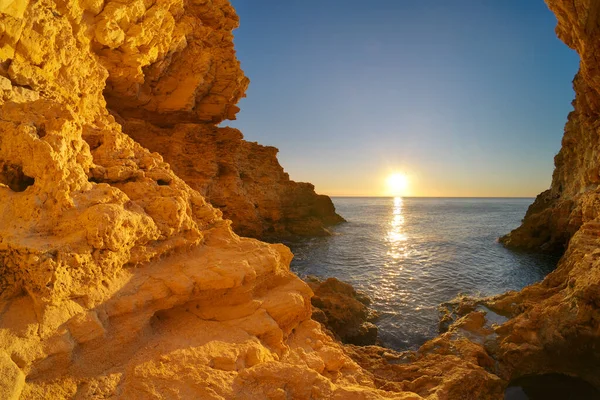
397,184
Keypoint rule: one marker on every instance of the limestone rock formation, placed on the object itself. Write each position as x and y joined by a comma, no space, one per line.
172,64
117,280
555,324
343,311
243,179
571,201
169,61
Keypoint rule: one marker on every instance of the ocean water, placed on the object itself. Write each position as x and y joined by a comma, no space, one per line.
412,254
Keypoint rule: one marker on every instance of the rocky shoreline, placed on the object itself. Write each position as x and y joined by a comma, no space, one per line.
343,311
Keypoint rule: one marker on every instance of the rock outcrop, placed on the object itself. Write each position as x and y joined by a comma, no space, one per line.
118,280
172,65
572,199
343,311
555,324
551,327
243,179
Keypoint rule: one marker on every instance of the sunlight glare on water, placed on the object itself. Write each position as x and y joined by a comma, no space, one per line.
412,254
395,236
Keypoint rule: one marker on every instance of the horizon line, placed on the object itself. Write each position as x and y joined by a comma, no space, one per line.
438,197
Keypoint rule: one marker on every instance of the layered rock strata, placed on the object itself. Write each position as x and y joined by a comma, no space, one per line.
243,179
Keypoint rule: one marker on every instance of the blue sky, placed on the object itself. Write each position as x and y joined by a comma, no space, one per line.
467,98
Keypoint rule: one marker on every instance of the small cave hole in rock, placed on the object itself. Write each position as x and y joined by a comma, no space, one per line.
41,131
94,141
12,175
550,387
163,182
224,169
94,180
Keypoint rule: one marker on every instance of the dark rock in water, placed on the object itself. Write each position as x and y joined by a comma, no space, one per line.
453,310
365,335
550,387
343,310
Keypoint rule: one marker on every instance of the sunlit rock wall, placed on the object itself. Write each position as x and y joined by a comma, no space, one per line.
170,65
555,325
243,179
117,280
573,198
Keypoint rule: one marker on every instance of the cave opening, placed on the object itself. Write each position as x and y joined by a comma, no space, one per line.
12,176
550,387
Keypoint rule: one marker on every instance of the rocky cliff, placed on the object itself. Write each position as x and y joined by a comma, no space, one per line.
243,179
552,326
572,199
118,280
173,75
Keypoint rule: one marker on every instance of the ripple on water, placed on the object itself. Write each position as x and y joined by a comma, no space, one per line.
410,255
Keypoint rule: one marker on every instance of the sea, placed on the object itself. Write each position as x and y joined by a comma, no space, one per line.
412,254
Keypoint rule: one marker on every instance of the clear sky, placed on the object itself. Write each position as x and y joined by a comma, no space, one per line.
465,97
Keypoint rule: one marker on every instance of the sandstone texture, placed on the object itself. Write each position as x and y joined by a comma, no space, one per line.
572,199
117,279
243,179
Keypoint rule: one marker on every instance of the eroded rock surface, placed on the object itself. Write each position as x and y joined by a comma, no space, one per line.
172,75
118,280
243,179
572,199
169,61
555,324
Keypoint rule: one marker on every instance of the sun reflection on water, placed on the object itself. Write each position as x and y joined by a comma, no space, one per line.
395,235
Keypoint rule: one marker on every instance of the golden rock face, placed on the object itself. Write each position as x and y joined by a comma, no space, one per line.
116,278
559,212
170,63
243,179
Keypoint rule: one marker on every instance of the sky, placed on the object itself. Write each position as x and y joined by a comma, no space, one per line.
464,98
